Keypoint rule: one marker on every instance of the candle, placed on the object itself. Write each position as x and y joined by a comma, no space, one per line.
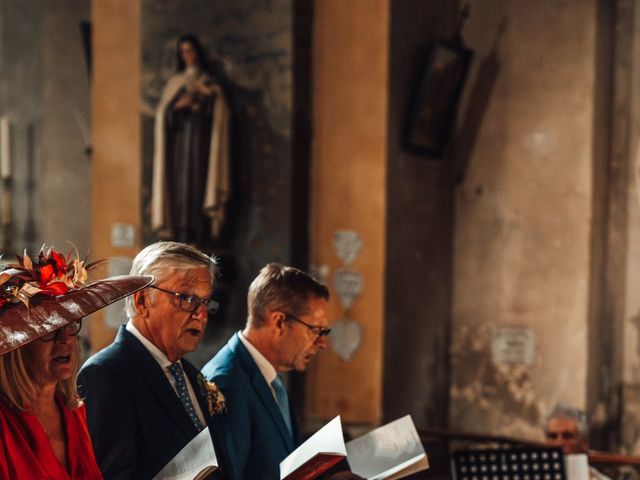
6,210
5,149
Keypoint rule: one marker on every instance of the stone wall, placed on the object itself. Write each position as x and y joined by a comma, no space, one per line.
44,90
523,217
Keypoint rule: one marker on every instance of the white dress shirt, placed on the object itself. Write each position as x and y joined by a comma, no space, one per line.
164,363
268,371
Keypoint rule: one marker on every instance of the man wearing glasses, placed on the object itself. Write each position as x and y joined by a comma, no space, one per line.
566,427
287,326
144,401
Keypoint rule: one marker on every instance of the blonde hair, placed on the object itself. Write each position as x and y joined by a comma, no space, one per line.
19,389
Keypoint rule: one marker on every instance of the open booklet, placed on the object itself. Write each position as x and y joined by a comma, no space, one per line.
196,461
391,451
318,454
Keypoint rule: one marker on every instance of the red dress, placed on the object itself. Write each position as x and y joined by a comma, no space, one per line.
25,451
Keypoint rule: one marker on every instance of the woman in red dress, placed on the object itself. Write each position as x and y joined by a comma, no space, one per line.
43,432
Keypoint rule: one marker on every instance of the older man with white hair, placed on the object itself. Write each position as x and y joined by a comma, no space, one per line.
566,427
145,402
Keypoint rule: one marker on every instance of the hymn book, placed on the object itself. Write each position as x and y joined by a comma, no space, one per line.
196,461
318,454
390,452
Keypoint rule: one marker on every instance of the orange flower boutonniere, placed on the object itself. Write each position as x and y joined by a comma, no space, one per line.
216,402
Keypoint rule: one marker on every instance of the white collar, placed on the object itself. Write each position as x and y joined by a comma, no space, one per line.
268,371
155,352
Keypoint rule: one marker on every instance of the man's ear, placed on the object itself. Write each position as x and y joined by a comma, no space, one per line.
140,300
277,321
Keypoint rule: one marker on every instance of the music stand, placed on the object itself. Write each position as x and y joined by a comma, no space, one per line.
526,463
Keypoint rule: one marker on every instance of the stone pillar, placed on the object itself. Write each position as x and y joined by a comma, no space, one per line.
115,119
350,78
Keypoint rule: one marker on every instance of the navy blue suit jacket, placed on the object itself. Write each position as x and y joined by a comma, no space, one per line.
136,421
253,429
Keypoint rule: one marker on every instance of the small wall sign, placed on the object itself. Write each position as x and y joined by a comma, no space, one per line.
513,345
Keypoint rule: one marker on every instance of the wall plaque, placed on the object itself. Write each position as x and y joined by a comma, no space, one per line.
348,286
346,338
347,244
513,345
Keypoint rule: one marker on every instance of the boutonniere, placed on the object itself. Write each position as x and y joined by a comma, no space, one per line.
215,399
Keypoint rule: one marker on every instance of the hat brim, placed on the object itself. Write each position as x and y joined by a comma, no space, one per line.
20,324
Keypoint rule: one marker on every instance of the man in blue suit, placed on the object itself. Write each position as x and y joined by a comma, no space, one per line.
144,401
286,327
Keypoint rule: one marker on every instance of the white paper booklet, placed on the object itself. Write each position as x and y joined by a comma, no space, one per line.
391,451
318,454
576,466
196,460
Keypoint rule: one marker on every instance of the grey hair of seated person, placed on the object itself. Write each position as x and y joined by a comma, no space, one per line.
564,410
161,259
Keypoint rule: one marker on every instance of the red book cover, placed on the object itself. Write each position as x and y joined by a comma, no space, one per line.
314,467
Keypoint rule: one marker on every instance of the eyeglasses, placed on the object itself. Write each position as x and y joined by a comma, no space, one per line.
565,435
72,329
316,330
191,303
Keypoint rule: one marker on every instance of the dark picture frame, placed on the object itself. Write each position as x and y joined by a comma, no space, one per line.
435,103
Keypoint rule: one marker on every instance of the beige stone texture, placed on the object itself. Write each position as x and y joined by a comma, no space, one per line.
348,192
523,217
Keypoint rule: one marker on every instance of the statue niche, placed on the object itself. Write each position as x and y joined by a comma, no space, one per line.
191,174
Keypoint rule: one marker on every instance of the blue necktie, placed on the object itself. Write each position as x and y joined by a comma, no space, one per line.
282,399
176,370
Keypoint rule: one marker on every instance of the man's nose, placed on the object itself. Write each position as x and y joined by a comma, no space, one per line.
201,312
322,341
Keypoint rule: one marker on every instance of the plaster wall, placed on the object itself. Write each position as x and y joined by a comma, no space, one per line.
631,366
350,78
116,165
20,96
523,217
44,91
419,234
630,342
65,165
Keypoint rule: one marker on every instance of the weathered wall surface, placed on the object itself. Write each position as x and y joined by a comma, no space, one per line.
116,165
62,178
350,78
44,90
523,217
419,234
20,94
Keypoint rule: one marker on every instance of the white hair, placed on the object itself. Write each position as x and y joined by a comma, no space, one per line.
161,258
564,410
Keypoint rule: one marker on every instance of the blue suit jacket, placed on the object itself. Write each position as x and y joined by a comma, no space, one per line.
136,421
253,429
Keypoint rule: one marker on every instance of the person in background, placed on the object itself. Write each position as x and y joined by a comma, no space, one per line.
566,427
43,431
